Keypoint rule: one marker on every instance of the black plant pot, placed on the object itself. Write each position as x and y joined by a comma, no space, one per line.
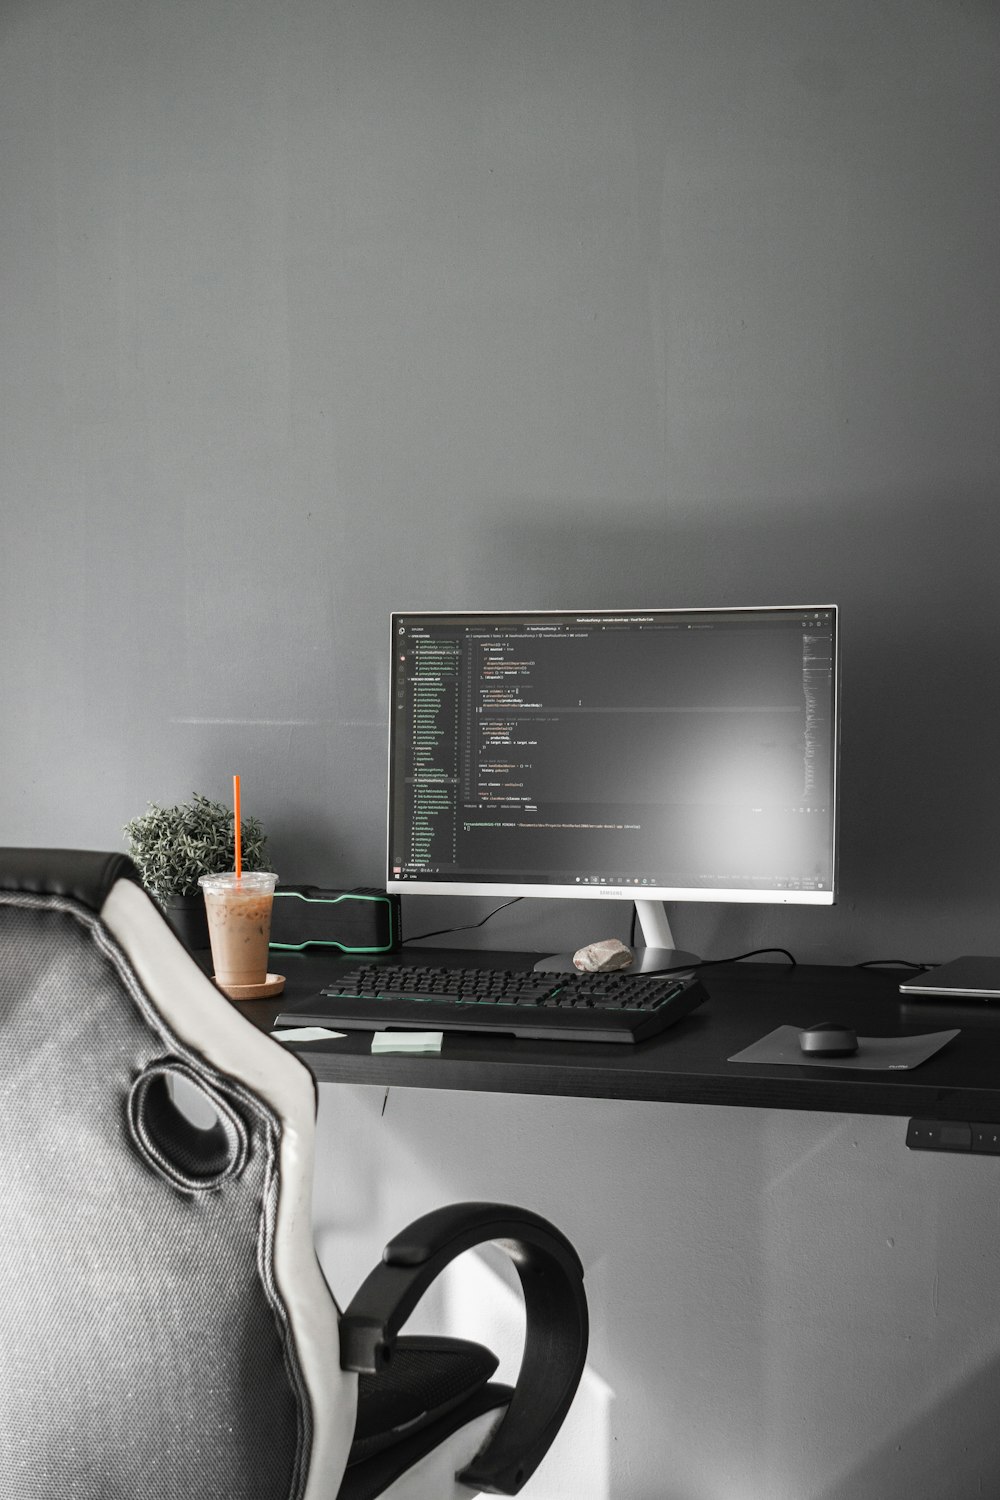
186,915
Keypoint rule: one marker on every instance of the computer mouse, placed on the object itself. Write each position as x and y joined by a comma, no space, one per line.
829,1039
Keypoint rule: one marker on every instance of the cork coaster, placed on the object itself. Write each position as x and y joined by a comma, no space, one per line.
273,985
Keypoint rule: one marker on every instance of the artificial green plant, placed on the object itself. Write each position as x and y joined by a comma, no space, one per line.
172,846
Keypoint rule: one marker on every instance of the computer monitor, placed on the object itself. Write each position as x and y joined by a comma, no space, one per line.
644,755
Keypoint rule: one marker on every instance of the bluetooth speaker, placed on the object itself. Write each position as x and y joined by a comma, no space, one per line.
360,921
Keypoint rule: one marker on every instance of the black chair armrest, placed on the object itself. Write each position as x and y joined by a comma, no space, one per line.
556,1334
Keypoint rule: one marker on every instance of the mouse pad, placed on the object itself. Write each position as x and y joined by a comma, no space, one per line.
875,1053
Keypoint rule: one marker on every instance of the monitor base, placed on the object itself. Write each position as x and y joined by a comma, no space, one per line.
644,961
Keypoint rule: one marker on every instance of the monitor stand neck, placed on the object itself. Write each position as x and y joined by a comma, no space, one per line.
658,956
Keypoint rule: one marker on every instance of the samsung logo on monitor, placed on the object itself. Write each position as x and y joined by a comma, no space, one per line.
611,890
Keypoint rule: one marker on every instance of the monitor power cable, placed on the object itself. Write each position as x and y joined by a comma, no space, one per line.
469,926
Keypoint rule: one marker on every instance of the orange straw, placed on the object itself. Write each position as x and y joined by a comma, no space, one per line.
236,828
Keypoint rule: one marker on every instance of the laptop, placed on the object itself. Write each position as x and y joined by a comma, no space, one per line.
975,977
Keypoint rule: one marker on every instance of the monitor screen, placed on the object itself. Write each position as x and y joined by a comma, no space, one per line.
661,754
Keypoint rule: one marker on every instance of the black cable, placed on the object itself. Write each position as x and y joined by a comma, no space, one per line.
893,963
703,964
706,962
469,926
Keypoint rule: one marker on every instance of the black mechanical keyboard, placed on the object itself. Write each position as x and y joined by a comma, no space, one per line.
613,1007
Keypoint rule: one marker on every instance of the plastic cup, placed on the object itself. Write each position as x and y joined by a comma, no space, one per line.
238,908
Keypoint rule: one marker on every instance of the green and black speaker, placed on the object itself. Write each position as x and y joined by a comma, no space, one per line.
362,921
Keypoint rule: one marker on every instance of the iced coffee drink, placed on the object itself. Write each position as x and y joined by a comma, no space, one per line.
239,925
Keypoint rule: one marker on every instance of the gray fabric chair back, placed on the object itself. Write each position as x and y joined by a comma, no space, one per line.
146,1344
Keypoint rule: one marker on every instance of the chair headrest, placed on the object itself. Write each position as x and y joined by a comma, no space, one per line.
82,875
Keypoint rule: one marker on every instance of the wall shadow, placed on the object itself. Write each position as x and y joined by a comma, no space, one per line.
949,1450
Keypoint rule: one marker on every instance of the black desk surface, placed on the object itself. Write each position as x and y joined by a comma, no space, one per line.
688,1063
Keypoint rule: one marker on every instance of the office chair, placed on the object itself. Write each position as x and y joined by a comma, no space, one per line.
166,1331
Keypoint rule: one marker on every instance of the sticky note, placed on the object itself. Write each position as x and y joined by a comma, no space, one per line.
305,1034
407,1041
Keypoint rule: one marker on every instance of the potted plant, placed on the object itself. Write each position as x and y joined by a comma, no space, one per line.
172,846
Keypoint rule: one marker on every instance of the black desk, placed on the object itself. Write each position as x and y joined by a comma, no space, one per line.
688,1063
728,1294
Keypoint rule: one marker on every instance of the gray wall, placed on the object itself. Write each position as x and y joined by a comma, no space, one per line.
313,310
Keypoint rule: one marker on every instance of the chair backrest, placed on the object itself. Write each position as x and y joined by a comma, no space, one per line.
166,1330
